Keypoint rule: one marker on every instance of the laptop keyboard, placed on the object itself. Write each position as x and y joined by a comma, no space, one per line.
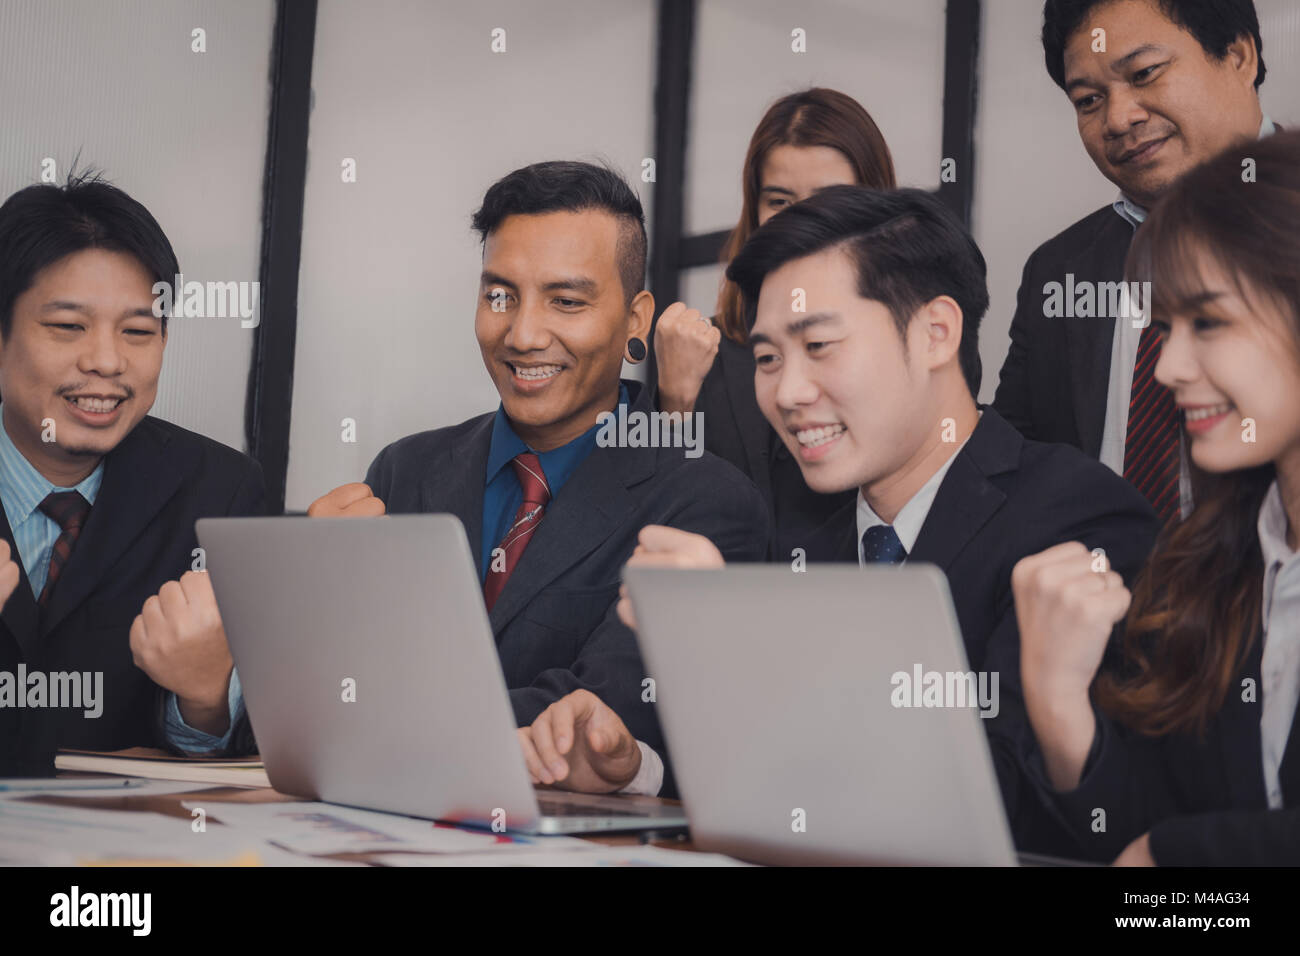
563,808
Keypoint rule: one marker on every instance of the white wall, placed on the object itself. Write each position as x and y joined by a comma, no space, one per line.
389,278
182,132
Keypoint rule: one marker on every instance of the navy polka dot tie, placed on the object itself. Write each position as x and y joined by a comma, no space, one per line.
880,545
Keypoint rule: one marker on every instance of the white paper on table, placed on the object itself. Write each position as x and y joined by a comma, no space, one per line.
316,828
45,834
147,788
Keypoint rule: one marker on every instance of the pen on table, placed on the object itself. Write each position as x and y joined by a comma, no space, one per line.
68,784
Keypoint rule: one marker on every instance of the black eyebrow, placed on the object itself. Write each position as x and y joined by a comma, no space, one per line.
64,305
797,326
777,189
576,283
491,278
1121,63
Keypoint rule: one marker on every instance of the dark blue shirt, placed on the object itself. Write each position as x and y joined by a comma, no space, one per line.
502,494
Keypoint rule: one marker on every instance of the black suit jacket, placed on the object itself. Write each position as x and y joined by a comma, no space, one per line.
1056,375
736,431
1004,498
1201,798
555,622
140,534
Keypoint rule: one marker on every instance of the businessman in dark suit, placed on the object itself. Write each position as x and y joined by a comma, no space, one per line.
872,388
99,500
550,497
1170,86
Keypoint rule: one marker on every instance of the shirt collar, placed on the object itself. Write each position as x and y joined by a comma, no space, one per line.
23,488
506,444
911,517
1272,526
1135,215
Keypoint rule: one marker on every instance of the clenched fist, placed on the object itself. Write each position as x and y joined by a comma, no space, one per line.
686,343
1067,603
658,546
178,640
9,575
353,500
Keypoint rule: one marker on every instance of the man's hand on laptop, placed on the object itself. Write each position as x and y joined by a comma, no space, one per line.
353,500
179,641
9,576
659,546
579,743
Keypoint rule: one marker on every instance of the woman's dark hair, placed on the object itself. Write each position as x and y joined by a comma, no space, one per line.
40,225
564,186
906,247
1196,605
815,117
1214,23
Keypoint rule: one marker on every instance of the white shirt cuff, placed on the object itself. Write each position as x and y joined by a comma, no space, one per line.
650,778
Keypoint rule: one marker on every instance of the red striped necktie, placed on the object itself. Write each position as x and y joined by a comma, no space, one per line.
1151,460
537,494
68,509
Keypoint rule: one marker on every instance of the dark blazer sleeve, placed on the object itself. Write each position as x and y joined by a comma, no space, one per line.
1012,400
249,500
733,516
1228,838
1105,513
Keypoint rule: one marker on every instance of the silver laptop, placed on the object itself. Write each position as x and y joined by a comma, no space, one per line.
777,692
371,676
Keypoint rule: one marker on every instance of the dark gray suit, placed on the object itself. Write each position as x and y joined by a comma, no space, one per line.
555,622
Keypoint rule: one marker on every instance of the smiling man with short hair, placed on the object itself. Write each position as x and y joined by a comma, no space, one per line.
100,498
1157,87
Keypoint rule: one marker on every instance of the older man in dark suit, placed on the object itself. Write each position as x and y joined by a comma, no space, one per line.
1157,88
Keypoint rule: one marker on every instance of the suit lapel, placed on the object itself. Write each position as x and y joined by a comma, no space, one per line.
1090,345
456,483
593,504
139,479
1090,341
966,498
753,427
20,610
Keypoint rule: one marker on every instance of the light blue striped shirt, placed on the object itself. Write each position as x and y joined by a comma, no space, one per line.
22,489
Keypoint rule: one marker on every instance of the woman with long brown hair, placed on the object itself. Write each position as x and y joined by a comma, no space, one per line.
805,141
1185,748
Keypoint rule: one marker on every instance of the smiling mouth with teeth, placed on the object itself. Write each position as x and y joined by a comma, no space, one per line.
535,373
812,437
1196,414
96,405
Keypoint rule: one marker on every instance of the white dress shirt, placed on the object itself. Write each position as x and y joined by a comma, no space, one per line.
1123,358
1280,666
910,518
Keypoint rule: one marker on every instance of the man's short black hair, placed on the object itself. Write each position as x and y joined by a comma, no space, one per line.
1214,23
906,246
40,225
566,186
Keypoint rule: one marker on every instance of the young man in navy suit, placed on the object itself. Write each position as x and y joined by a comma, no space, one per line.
551,509
104,637
872,385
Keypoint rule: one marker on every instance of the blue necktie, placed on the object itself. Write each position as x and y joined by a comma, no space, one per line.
880,545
